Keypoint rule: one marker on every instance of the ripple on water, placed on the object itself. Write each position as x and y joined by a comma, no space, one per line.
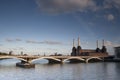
80,71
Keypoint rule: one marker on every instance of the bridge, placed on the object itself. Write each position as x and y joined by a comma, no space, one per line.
55,59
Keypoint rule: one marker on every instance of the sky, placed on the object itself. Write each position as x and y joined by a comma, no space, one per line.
49,26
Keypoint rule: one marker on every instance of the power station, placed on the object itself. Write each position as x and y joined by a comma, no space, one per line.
78,51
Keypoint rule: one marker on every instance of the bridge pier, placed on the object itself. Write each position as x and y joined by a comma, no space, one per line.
24,61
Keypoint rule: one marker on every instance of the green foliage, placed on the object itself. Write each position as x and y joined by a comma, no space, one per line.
2,53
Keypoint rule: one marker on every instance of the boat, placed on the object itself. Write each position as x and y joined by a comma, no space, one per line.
25,65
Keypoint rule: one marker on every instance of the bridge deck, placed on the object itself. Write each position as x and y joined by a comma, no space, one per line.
54,58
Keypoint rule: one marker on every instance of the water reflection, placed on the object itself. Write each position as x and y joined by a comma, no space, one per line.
40,61
66,71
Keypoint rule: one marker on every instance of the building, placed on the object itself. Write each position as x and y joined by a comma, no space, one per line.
88,52
117,52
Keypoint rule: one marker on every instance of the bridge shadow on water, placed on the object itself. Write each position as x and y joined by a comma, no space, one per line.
8,62
40,61
94,60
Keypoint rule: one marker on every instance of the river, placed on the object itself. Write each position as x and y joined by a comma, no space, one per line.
66,71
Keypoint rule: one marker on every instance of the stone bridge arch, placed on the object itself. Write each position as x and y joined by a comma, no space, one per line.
12,57
50,59
87,60
75,59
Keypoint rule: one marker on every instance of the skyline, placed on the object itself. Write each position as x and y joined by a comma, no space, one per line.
43,26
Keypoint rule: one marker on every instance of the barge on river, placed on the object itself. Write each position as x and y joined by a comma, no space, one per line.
25,65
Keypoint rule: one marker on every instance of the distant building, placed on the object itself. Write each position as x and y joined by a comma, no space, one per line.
117,52
88,52
21,53
10,52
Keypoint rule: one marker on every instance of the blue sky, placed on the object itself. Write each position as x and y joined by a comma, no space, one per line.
49,26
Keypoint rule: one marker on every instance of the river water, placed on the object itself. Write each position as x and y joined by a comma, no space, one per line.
66,71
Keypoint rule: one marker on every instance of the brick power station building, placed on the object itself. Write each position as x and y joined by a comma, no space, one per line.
78,51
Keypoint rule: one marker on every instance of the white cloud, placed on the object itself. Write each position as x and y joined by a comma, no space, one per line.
63,6
17,39
9,40
112,44
45,42
67,6
52,42
108,43
112,3
33,41
110,17
12,40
